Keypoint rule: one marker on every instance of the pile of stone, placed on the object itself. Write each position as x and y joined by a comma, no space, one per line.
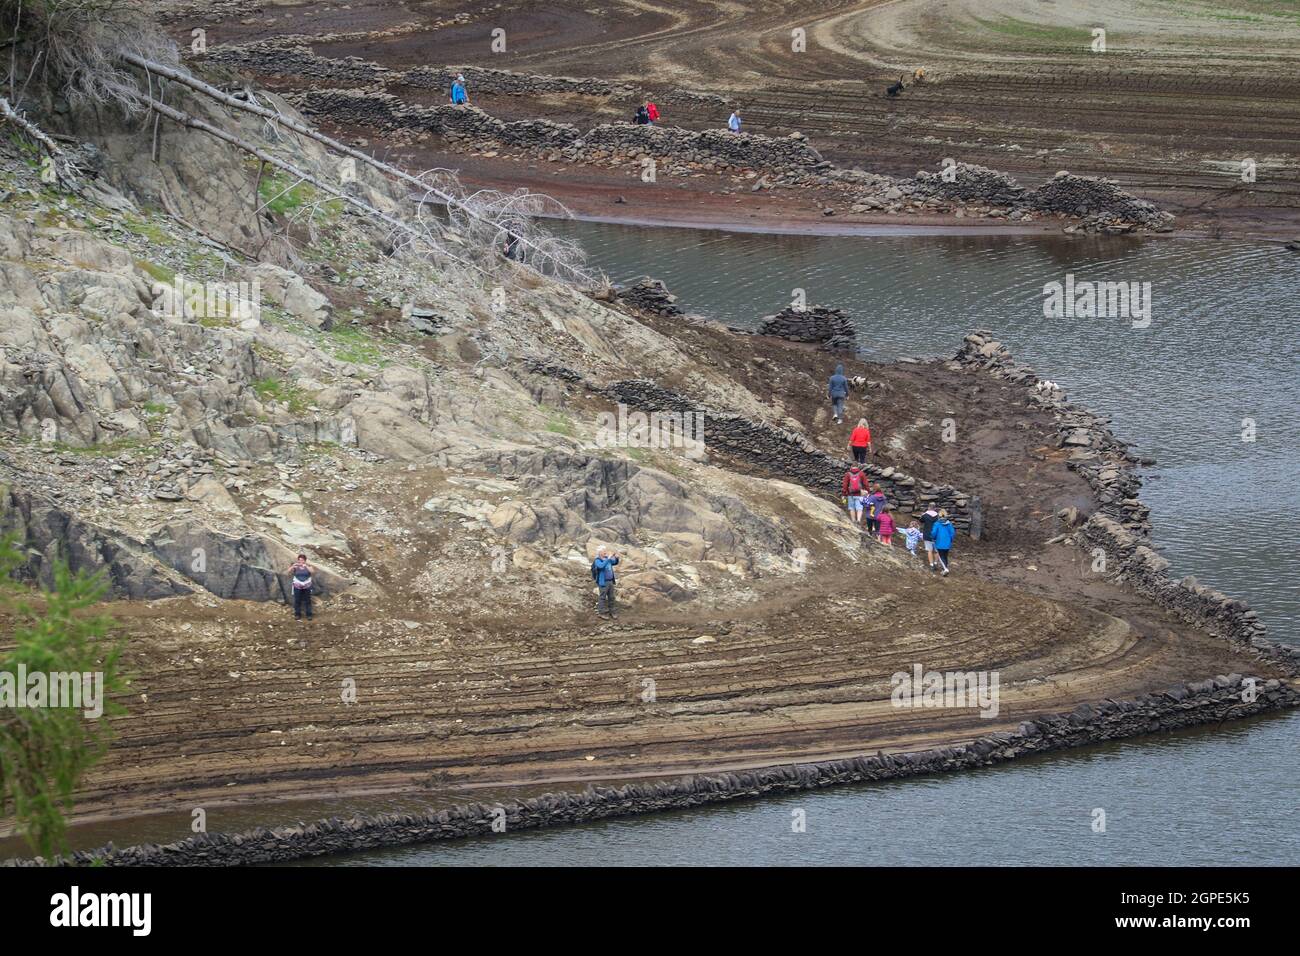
830,327
1100,201
381,111
968,182
712,148
650,295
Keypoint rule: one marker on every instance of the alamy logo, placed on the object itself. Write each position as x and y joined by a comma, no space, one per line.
951,689
626,429
39,690
1088,300
103,909
187,299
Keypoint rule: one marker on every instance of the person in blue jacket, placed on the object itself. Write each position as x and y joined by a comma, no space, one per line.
943,533
458,94
602,572
838,390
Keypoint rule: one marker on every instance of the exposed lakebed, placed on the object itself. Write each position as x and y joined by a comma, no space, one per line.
1217,352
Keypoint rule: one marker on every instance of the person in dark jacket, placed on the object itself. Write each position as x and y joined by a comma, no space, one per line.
301,574
943,532
602,572
642,116
927,533
872,505
837,389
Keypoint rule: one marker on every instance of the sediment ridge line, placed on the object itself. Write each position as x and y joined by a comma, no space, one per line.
1182,705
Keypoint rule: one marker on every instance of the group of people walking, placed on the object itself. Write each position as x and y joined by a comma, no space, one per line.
647,114
867,503
869,506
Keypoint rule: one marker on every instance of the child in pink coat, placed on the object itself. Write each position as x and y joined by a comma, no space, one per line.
886,525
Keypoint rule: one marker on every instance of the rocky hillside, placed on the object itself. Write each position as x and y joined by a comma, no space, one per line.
183,444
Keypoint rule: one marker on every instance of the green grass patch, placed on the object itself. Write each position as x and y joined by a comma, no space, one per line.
561,425
156,272
282,194
271,389
147,230
347,343
110,449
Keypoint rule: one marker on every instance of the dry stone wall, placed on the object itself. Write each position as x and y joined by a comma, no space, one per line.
829,327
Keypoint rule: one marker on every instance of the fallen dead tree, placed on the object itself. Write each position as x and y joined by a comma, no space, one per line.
502,215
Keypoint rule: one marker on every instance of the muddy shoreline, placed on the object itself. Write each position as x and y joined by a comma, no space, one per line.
1214,700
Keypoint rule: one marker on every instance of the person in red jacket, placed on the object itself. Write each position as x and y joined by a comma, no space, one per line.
860,442
851,489
653,111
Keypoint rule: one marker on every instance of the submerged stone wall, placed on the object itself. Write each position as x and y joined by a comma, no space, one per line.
1224,697
1100,202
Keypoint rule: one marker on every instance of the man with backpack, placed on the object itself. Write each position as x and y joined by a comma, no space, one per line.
602,572
851,488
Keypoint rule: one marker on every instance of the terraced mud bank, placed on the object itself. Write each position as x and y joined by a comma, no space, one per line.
1172,107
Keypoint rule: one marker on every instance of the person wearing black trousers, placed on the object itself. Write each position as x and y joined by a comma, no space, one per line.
301,572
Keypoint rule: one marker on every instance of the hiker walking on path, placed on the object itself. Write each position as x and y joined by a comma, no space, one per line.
927,533
652,111
837,389
944,532
458,95
733,123
885,522
301,572
642,117
860,442
602,572
875,503
851,488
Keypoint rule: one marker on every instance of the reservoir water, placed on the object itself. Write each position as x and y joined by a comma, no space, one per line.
1210,388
